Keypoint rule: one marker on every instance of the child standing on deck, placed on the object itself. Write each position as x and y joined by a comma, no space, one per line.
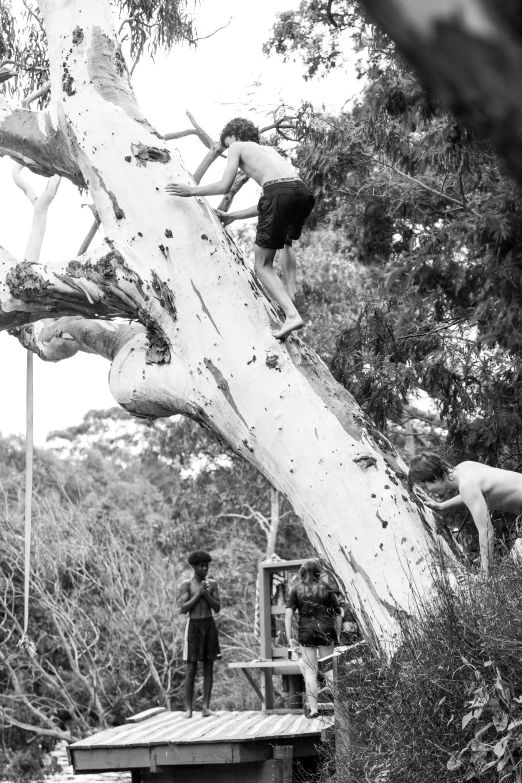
320,619
199,596
282,209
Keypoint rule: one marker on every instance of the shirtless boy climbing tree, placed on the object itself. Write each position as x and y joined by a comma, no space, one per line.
198,597
282,209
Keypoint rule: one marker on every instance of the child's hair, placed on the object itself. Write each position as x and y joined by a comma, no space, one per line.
310,582
242,129
199,556
429,467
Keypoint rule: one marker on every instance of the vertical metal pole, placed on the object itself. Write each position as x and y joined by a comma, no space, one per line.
274,523
28,481
24,642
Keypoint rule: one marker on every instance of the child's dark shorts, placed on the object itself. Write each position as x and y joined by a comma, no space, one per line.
312,632
283,209
201,640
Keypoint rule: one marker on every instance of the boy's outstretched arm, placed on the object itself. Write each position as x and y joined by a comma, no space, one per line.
216,188
474,499
242,214
439,505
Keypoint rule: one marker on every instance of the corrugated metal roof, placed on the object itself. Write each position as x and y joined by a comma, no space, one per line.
172,727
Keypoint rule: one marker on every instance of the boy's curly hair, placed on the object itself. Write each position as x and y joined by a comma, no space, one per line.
199,556
242,129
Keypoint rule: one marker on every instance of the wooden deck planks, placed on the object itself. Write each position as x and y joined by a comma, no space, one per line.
224,727
142,731
171,731
242,725
173,728
125,734
274,727
194,729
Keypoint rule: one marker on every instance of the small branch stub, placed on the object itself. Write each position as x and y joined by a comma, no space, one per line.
365,461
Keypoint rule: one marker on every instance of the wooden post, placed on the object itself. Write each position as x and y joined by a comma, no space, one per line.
265,626
341,724
274,523
282,768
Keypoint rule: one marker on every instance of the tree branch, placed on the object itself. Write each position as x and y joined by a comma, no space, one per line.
57,339
5,74
240,180
330,15
215,149
213,154
22,696
180,134
210,35
94,286
30,139
418,182
279,124
56,733
203,135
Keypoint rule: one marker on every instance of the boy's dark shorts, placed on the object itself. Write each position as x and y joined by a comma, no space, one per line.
201,640
312,632
283,209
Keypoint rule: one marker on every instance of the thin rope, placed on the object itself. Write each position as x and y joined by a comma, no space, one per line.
25,643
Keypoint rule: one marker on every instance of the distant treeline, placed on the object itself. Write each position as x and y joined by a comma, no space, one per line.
117,507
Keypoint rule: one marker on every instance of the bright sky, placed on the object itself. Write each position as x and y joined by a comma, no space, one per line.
226,76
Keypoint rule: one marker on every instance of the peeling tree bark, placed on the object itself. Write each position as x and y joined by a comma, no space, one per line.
469,53
203,344
31,139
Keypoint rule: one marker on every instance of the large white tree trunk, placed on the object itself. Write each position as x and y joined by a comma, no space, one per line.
204,344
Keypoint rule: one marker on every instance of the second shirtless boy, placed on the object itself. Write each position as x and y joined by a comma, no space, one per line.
282,209
198,597
480,488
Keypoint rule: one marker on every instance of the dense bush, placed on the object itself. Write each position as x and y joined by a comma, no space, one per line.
448,707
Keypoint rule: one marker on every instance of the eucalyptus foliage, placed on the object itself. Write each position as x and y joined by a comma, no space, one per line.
436,219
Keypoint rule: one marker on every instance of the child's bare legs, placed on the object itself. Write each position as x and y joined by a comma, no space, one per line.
264,259
323,652
289,266
308,666
190,677
208,680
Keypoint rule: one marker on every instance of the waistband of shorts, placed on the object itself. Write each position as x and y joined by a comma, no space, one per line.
200,619
284,182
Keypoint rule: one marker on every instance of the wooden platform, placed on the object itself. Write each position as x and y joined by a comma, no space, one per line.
167,744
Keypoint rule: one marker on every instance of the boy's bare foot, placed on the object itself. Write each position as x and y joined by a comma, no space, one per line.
187,714
206,713
291,324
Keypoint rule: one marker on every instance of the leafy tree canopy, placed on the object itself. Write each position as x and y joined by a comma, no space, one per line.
318,32
146,25
436,220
